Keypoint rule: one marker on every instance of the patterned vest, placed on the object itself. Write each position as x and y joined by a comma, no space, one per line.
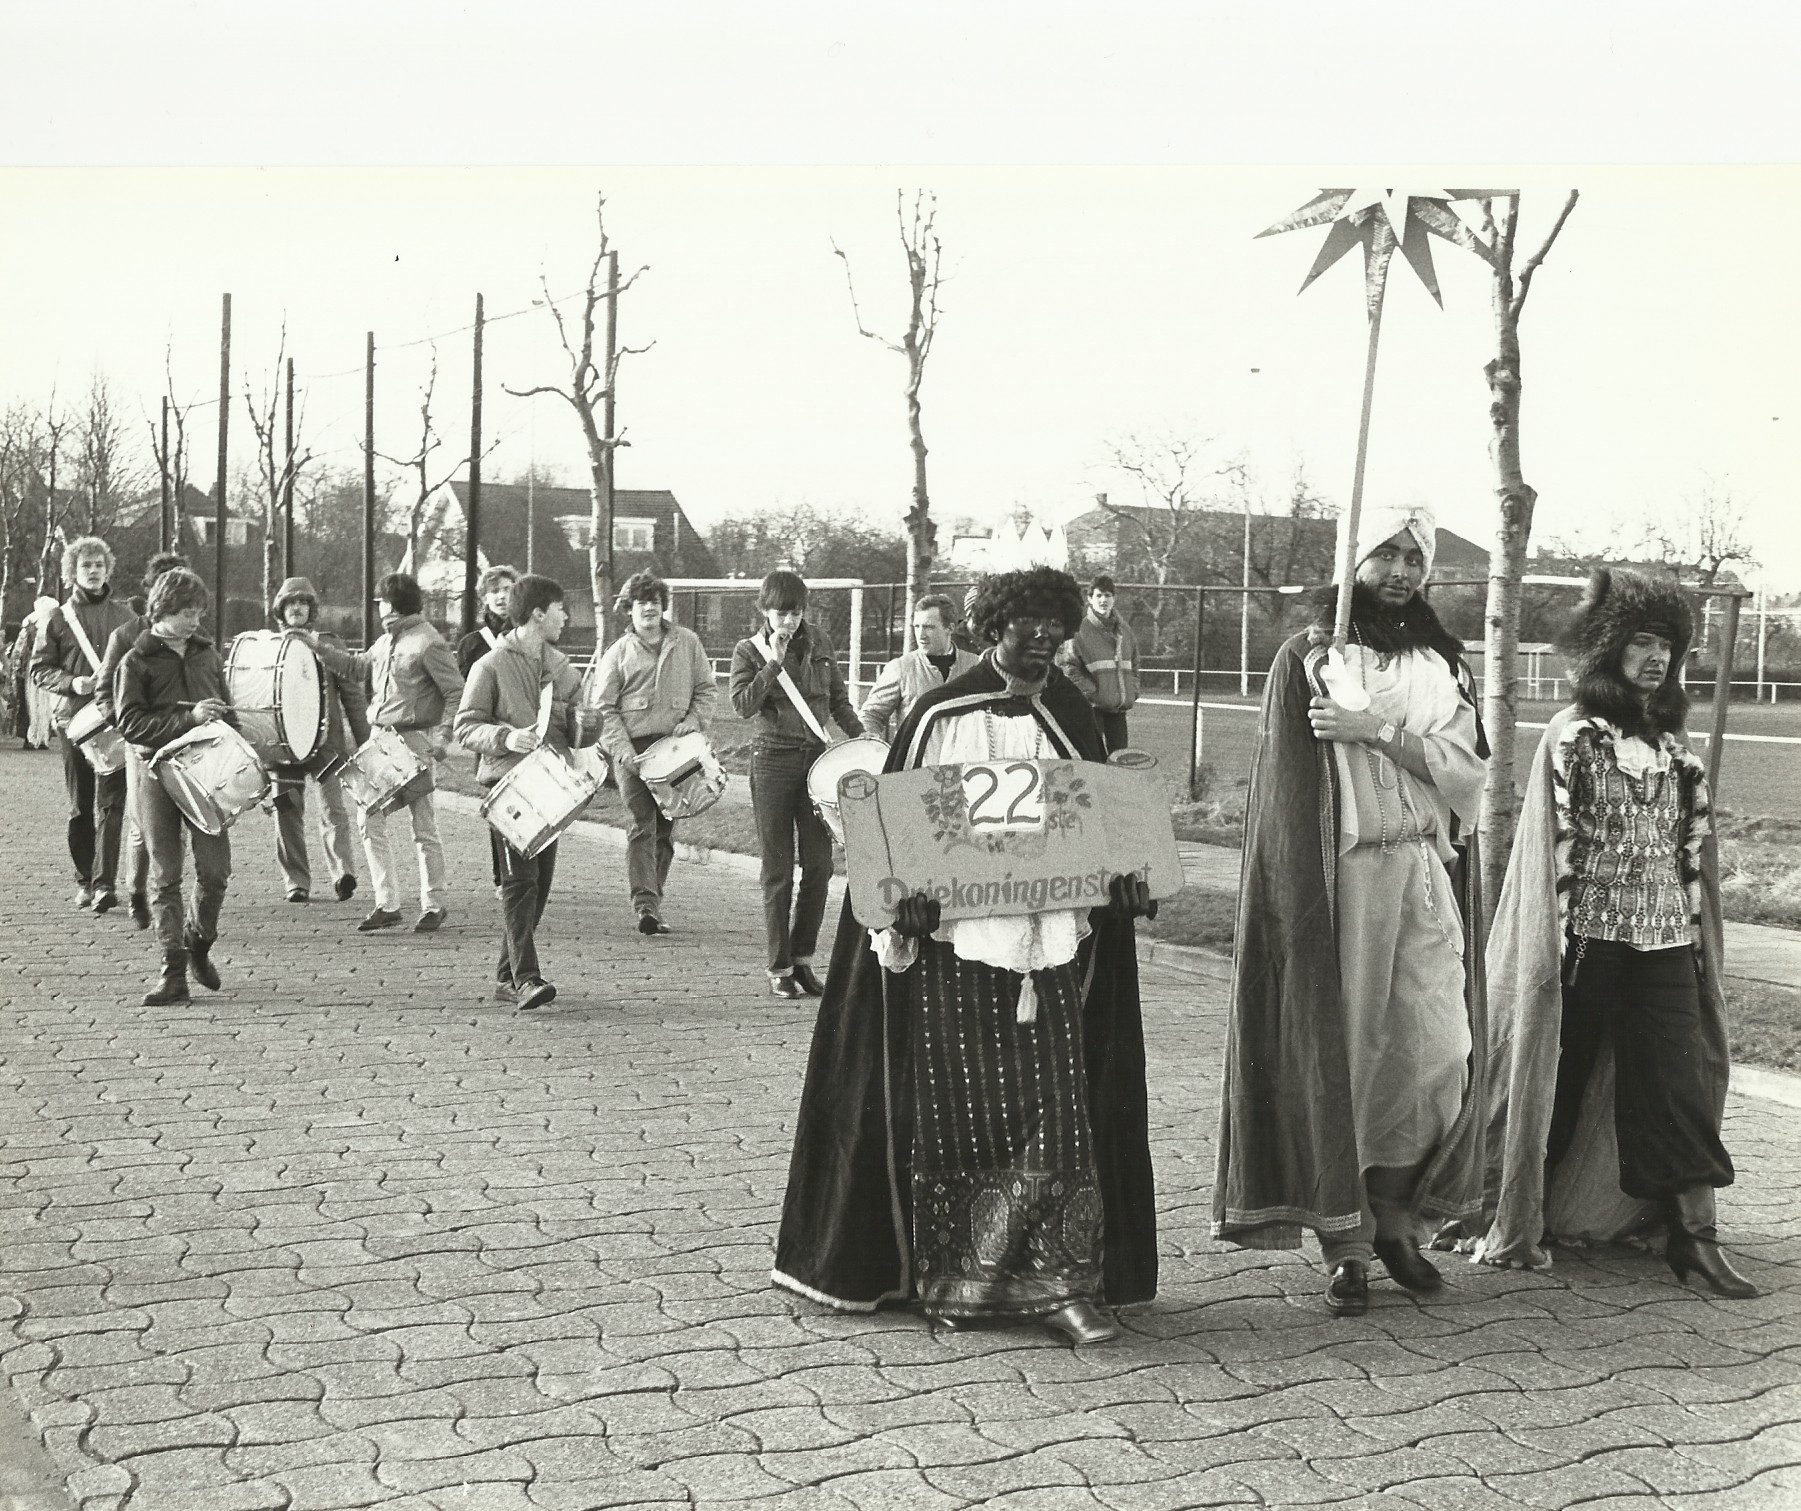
1628,879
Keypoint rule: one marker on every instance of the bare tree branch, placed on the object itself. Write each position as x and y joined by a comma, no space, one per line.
1532,262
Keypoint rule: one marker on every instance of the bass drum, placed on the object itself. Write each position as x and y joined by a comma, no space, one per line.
275,685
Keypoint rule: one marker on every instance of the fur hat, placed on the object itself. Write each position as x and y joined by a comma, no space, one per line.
1380,522
1617,605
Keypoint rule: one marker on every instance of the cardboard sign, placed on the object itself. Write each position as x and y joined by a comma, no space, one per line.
998,838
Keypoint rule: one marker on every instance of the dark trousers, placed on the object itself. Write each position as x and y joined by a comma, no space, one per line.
96,818
649,843
164,831
524,889
1113,730
1647,1005
778,794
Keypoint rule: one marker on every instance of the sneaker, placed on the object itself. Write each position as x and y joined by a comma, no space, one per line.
105,900
505,992
381,918
140,910
200,961
84,895
534,994
298,894
785,986
806,980
344,887
431,920
649,923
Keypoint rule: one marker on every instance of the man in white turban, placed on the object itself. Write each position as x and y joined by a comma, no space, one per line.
1353,1078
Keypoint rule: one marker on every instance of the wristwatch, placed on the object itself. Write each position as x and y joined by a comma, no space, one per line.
1386,734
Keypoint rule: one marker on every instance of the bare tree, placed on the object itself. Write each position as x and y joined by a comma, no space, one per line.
924,256
21,490
277,468
108,473
419,464
593,387
1177,477
1703,534
1500,802
49,557
172,459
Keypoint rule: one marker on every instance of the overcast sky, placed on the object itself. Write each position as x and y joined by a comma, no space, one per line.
1099,185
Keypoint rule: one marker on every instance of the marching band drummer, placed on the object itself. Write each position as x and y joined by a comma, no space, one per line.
655,680
415,686
296,607
786,678
495,589
173,680
498,720
66,662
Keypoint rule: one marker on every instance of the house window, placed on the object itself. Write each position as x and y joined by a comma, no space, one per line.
237,531
578,530
638,535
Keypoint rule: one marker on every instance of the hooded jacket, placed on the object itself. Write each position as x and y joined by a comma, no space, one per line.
413,678
346,702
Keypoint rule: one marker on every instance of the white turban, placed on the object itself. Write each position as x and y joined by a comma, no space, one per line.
1382,522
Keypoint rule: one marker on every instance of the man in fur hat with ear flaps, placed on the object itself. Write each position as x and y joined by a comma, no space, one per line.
1354,1076
1608,1025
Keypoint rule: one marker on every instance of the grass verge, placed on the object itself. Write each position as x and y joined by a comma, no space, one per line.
1765,1024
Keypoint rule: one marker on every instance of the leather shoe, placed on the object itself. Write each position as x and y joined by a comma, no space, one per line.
1348,1291
381,918
344,887
140,910
1081,1323
534,994
649,923
431,920
105,900
1407,1267
200,961
785,986
807,981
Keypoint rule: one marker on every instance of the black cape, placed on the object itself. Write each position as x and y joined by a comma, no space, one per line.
846,1233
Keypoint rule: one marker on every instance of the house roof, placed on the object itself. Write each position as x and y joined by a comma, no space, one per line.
681,551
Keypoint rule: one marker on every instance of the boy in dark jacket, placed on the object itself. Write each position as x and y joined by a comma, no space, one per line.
172,680
67,662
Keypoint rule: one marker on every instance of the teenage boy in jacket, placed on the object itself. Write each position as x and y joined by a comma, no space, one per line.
654,680
414,687
296,607
786,744
66,662
498,719
137,851
494,589
1101,658
172,680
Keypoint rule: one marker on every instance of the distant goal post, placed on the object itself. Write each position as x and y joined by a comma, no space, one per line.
722,611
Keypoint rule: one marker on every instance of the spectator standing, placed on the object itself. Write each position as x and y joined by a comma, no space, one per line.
1101,658
933,661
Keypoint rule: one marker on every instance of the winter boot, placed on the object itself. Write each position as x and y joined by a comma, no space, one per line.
173,987
1693,1246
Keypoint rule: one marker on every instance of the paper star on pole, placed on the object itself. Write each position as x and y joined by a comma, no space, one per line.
1379,220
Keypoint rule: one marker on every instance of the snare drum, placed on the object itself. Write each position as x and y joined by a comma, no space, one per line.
683,775
212,774
98,740
383,772
278,691
537,800
835,762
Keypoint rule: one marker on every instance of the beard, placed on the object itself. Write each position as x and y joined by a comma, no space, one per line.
1391,629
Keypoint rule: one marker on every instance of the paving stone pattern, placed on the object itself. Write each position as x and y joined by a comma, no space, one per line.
348,1234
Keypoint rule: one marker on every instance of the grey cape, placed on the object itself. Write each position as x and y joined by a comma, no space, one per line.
1287,1157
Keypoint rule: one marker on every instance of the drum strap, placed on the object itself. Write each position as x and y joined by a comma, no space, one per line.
492,639
793,692
81,638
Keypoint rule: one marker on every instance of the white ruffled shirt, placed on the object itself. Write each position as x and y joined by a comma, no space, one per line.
1024,942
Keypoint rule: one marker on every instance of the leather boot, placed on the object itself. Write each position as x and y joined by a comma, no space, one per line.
173,987
1692,1245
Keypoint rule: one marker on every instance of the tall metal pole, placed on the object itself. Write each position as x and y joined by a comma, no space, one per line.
287,490
1722,693
219,578
1194,741
607,412
369,491
474,511
164,519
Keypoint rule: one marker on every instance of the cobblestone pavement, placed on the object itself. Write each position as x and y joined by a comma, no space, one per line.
347,1234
